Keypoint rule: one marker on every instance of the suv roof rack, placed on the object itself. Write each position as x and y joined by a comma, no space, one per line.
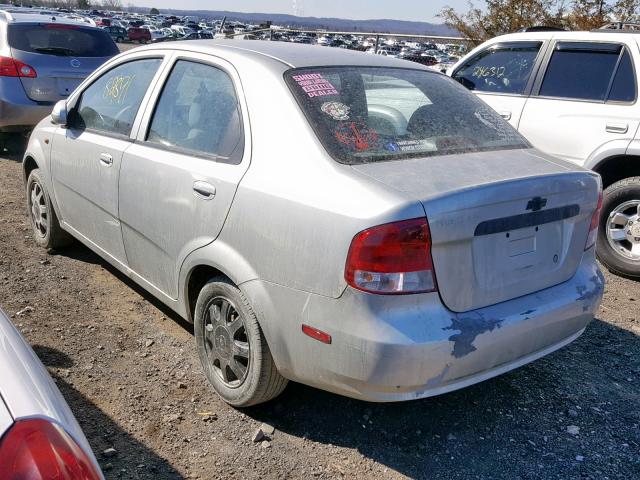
627,26
542,28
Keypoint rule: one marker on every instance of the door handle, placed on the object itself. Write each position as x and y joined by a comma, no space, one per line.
505,115
617,127
204,189
106,159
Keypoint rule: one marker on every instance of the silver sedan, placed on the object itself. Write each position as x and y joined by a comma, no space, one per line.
39,436
357,223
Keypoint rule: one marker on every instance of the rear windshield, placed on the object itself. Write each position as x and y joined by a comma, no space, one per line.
61,39
371,114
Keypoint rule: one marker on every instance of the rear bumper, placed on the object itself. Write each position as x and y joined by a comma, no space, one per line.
393,348
17,111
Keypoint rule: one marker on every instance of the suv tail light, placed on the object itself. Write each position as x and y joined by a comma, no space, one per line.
10,67
394,258
593,228
40,450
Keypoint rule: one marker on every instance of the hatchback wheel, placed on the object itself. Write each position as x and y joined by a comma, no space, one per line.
232,349
47,232
619,233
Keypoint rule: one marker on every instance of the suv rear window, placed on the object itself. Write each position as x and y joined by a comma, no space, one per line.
61,39
370,114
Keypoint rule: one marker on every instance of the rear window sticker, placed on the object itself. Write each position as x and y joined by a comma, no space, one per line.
315,85
356,135
336,110
416,146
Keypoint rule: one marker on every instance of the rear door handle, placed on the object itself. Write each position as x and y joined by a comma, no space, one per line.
204,189
505,115
106,159
617,127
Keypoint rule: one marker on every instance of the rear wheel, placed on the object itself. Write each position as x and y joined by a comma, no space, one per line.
120,39
232,349
619,230
47,232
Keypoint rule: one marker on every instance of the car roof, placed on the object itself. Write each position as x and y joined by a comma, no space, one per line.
19,17
294,55
606,35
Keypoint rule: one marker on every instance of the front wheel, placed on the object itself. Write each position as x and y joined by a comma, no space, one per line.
47,232
618,246
232,349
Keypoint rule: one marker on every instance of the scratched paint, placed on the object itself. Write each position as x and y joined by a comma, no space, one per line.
469,328
590,296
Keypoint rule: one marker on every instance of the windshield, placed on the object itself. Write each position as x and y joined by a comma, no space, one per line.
370,114
62,40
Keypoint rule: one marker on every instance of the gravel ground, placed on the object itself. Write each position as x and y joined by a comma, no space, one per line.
129,370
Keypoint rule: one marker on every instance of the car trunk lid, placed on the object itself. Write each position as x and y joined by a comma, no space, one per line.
503,224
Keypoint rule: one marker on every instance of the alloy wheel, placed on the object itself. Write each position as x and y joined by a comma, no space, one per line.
38,207
623,229
226,342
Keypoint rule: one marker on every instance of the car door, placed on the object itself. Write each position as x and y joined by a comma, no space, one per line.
502,75
86,155
178,180
582,101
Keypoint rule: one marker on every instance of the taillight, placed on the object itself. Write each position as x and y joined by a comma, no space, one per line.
39,450
10,67
593,227
394,258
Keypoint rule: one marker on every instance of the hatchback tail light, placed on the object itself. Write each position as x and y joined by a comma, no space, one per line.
10,67
40,450
394,258
593,227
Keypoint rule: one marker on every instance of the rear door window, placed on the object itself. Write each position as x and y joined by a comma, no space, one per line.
503,68
588,71
110,104
198,111
61,39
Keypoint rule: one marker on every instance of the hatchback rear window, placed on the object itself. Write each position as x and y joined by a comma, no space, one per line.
370,114
61,39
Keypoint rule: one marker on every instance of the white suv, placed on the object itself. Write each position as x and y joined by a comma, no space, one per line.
574,95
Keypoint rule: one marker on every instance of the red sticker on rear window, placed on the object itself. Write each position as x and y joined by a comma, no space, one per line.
315,85
356,135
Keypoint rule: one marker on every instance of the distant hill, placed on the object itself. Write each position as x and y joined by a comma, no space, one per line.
335,24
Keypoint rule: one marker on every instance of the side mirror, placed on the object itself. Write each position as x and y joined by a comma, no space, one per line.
59,113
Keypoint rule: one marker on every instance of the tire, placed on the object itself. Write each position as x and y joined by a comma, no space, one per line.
120,40
221,341
615,254
47,232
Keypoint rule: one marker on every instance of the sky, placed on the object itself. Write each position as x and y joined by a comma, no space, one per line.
417,10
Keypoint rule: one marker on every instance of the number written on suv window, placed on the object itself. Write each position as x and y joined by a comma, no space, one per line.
504,68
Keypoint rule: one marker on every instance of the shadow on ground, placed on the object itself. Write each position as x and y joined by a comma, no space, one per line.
133,459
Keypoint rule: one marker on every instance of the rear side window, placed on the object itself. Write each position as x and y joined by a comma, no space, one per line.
61,39
110,104
623,88
198,111
589,71
500,69
370,114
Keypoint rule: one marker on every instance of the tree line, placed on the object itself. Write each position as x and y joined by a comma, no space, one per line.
507,16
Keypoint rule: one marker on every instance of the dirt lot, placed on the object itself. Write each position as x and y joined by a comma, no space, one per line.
129,370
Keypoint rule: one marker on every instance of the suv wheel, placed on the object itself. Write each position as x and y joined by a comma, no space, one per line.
232,349
47,232
619,233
